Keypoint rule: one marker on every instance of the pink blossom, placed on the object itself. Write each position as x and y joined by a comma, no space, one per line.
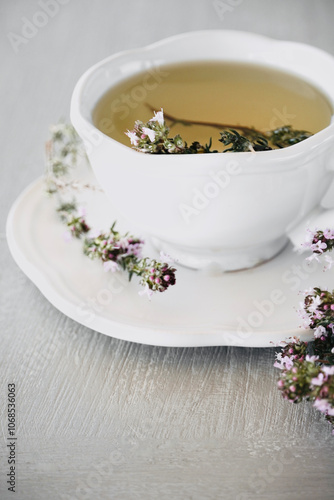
123,243
329,234
320,246
158,117
133,137
281,343
315,304
283,363
134,249
308,239
149,132
110,265
319,380
311,359
328,370
323,405
319,331
303,315
318,314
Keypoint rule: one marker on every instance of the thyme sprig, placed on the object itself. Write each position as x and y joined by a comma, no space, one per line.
116,251
221,126
153,137
238,143
307,368
286,136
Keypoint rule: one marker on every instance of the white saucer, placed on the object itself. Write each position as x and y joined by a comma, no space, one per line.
202,309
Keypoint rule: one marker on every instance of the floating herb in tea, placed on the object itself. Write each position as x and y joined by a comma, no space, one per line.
200,99
154,137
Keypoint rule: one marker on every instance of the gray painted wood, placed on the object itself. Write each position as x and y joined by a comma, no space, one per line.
102,418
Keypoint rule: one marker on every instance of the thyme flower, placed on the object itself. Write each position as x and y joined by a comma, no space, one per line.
116,251
307,369
319,305
295,381
153,137
320,242
156,275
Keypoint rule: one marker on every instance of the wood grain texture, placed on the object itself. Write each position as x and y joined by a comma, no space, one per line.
100,418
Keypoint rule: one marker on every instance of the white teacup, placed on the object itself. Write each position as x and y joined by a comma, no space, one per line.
235,210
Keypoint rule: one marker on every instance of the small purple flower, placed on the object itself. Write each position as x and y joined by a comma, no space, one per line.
322,405
311,359
284,363
149,132
319,332
303,315
318,314
314,305
158,117
123,242
319,380
308,239
319,247
135,249
329,234
133,137
328,370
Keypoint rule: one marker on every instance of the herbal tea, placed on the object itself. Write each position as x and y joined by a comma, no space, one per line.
220,94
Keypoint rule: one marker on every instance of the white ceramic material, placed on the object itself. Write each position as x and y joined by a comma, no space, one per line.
243,205
247,308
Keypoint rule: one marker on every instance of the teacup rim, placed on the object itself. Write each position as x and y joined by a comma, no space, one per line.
291,151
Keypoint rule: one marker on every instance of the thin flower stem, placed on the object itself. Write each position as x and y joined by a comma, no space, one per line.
116,251
76,185
220,126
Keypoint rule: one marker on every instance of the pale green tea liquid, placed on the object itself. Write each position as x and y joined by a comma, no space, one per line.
225,93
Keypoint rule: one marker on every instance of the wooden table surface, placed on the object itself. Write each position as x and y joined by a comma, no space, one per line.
100,418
